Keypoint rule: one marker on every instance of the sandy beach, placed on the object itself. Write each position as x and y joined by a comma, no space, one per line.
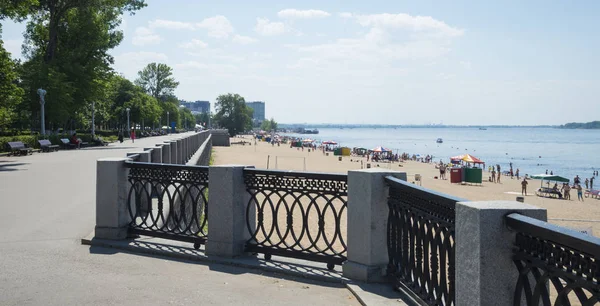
561,212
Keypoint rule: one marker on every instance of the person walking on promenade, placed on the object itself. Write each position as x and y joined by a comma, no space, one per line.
132,135
579,192
524,187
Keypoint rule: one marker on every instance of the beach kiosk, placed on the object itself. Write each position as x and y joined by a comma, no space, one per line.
466,174
456,175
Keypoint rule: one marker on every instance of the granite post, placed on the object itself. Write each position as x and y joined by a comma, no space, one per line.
166,152
227,199
174,156
367,224
485,272
179,144
112,215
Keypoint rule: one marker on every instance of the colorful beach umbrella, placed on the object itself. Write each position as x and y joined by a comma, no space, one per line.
381,149
471,159
330,142
307,140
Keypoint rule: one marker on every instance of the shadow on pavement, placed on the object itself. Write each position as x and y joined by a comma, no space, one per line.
108,148
236,266
9,167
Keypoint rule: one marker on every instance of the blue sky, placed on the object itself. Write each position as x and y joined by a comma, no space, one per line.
390,62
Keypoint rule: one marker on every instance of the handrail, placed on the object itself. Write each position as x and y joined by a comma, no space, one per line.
557,234
396,182
297,174
144,165
134,157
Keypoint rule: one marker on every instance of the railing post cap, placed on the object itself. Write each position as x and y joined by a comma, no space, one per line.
505,205
113,159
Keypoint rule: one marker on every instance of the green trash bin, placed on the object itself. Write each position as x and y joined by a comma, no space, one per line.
473,175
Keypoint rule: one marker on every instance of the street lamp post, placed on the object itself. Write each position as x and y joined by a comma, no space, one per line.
42,93
93,123
168,126
128,126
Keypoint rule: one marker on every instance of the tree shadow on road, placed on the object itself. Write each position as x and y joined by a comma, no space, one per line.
11,167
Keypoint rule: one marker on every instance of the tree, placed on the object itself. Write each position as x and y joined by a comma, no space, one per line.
269,125
202,119
157,80
10,93
233,114
53,15
67,50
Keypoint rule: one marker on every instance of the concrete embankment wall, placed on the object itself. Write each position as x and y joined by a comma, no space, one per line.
220,138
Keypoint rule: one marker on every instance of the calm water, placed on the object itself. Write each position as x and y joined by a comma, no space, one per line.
565,152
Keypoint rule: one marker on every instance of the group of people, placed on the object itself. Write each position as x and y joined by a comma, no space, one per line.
495,177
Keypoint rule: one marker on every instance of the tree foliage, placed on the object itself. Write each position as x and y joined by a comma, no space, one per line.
157,80
269,125
10,92
233,114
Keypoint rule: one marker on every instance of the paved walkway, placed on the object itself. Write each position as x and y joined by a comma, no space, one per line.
48,204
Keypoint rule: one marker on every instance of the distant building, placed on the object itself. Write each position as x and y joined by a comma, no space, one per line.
259,110
196,107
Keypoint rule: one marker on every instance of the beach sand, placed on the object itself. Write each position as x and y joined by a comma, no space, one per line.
285,158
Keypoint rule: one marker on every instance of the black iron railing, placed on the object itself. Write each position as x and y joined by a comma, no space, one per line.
556,266
297,214
420,242
168,201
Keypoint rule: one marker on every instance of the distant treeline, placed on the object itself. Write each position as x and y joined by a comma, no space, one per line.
577,125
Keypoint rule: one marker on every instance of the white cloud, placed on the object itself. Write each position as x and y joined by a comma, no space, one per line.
194,44
345,15
266,28
129,63
302,14
172,25
243,40
144,36
13,46
218,26
408,22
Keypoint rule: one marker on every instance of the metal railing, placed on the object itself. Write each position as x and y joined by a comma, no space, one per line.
421,242
557,266
168,201
297,214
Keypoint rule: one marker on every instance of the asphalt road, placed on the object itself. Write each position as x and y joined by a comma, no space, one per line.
48,204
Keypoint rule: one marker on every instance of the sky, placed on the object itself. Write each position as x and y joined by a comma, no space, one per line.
375,62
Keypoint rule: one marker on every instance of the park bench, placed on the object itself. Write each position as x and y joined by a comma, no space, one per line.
17,147
47,146
68,145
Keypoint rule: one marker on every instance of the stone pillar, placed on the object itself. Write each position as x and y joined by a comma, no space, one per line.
174,156
144,156
227,199
112,214
180,158
367,224
166,152
155,155
485,272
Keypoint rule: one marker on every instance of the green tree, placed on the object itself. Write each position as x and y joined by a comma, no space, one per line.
187,118
233,114
10,93
67,45
269,125
157,80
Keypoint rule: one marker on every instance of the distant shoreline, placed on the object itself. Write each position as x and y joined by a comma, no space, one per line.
386,126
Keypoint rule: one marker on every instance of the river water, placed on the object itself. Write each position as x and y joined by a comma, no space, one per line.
532,150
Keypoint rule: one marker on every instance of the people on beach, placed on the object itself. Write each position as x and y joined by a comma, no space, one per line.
587,182
592,183
493,175
579,192
577,180
499,174
517,173
566,191
524,187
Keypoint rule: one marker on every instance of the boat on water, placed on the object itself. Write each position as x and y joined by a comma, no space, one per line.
439,140
482,128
